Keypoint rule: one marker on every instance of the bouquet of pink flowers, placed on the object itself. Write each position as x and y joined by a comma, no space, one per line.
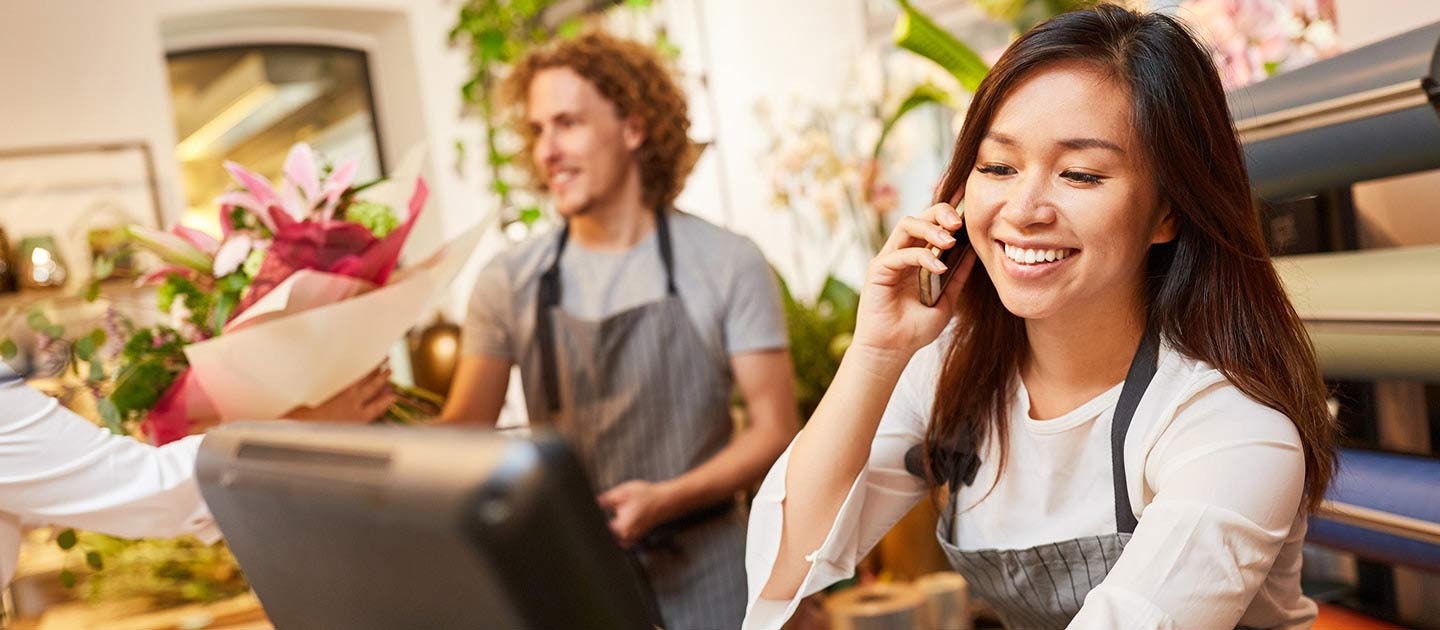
298,299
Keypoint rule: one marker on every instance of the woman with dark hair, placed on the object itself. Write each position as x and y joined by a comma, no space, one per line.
1120,409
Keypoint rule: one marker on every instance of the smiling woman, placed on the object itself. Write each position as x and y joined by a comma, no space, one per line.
1123,409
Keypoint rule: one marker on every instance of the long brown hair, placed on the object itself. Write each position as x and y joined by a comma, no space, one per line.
1212,291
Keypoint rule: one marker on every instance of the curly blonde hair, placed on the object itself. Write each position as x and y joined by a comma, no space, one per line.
633,78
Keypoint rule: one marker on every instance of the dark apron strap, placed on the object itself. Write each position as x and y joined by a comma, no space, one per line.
1142,371
957,466
544,328
549,297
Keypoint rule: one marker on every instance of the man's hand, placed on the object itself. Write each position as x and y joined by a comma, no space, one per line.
638,507
362,402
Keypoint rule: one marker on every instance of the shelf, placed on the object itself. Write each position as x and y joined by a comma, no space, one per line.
1371,314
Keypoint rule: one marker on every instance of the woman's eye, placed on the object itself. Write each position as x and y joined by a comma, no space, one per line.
995,169
1082,178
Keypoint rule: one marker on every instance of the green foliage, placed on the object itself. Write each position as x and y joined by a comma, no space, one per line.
498,33
819,335
379,218
38,321
246,221
230,288
8,350
253,262
151,360
86,346
919,34
169,571
208,308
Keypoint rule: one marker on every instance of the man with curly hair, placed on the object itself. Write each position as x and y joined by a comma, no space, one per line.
633,325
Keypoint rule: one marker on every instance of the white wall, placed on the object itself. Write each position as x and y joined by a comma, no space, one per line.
758,49
84,72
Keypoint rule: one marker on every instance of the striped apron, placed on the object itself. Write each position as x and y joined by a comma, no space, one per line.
1044,586
640,396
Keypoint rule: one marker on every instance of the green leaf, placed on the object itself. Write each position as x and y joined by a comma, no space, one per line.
104,267
530,215
67,578
139,385
570,28
67,539
110,415
97,372
918,34
92,291
253,263
85,347
223,308
923,94
93,559
8,349
470,90
379,218
492,44
37,320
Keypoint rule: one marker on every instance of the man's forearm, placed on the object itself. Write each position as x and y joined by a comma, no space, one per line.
738,466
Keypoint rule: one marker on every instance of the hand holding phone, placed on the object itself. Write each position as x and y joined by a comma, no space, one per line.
932,285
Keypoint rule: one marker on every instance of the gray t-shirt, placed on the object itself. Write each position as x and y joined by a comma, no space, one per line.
728,289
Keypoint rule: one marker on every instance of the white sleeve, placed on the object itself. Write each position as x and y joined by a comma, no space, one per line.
58,468
883,492
1228,475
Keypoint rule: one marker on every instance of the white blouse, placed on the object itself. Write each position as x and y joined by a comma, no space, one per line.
58,468
1216,479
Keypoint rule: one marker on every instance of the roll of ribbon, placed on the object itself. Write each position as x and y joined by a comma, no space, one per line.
880,606
947,600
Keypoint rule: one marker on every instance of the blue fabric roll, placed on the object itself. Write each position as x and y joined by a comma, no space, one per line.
1403,485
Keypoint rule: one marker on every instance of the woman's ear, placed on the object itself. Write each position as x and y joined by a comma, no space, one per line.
633,132
1167,228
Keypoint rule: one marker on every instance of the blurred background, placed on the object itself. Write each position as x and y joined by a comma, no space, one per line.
820,123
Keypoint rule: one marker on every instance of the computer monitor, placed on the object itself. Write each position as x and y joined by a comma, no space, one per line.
386,527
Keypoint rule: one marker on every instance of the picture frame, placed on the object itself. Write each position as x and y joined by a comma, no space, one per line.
69,191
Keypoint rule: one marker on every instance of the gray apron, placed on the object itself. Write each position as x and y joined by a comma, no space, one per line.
640,396
1044,586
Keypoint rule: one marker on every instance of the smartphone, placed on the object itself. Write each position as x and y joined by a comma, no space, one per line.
932,285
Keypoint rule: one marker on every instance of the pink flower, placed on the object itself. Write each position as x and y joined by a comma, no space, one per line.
181,246
339,247
302,194
232,253
169,420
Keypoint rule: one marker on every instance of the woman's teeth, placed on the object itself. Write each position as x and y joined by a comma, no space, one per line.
1035,256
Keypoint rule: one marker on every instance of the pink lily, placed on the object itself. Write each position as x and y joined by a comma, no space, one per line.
302,190
181,246
300,184
336,185
256,195
232,253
